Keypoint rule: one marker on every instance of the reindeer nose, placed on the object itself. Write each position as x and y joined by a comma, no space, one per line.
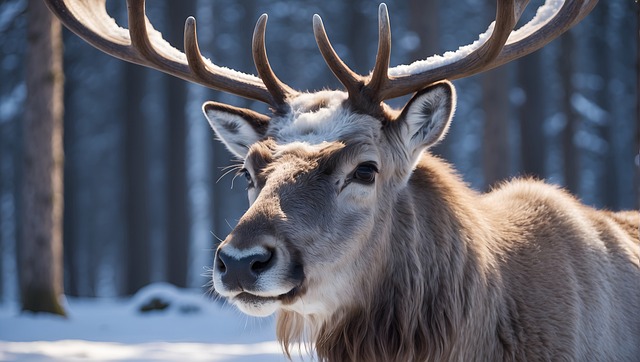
240,270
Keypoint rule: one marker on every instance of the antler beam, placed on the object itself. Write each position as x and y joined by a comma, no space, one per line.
142,44
502,46
526,40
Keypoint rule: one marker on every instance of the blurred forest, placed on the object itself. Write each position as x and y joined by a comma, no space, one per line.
144,194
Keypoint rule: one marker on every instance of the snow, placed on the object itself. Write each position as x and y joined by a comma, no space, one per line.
191,328
120,36
543,14
436,61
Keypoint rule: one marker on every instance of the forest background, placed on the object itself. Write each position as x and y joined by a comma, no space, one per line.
145,199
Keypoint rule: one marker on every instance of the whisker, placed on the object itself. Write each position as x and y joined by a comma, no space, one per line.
231,169
215,236
233,165
234,179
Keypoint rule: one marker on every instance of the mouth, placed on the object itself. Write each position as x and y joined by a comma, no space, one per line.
286,298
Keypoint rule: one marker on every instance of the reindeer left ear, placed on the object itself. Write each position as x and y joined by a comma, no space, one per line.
238,128
425,119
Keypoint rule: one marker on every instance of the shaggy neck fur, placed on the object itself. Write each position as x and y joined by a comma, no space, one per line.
429,269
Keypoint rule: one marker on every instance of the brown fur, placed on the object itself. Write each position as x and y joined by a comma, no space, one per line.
525,272
416,266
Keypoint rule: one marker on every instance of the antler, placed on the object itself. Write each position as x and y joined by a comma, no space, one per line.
143,45
501,46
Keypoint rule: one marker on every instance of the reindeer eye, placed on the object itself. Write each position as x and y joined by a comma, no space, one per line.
247,175
365,173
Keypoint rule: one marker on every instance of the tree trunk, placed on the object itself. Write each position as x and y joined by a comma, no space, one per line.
637,175
227,203
570,155
357,38
531,114
495,102
70,240
177,190
608,179
41,284
2,219
424,22
70,234
137,250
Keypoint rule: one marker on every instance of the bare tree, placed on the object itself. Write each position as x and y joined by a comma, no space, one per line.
531,115
495,103
41,283
495,145
2,241
357,31
72,241
570,154
605,126
177,188
229,200
637,174
424,21
137,249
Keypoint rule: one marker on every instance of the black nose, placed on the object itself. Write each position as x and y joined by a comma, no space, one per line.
240,272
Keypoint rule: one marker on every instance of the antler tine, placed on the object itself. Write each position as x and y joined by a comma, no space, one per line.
350,79
249,88
143,45
379,75
279,91
138,31
165,57
502,47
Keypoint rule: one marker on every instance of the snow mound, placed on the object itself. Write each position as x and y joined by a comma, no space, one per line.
165,297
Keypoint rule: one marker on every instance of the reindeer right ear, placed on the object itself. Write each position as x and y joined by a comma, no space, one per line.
238,128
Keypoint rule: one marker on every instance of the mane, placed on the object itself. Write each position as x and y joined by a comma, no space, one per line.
410,309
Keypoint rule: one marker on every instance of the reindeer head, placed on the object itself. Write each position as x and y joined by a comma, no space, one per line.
319,177
324,168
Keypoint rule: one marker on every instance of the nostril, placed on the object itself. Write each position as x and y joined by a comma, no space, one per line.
261,262
220,266
259,266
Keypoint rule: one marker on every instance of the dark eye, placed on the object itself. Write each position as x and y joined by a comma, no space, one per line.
247,175
365,173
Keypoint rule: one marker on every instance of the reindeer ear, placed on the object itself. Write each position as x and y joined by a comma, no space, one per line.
425,119
238,128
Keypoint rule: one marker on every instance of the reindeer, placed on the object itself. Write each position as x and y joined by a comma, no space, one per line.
372,249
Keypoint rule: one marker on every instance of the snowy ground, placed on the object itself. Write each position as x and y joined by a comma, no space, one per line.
190,328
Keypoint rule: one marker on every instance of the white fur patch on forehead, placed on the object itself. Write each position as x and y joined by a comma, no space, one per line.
304,146
320,117
310,102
